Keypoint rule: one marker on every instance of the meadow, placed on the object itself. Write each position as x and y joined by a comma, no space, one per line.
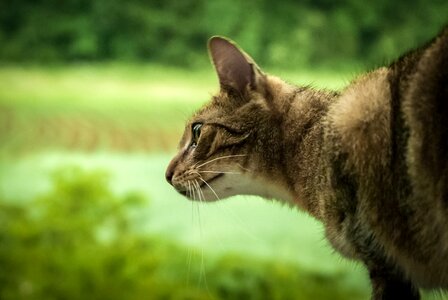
124,121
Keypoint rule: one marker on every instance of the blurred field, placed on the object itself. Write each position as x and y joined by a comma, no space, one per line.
113,107
90,108
126,120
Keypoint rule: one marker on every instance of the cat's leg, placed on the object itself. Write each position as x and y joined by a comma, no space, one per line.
388,285
387,279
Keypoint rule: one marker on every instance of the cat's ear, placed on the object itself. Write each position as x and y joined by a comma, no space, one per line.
236,70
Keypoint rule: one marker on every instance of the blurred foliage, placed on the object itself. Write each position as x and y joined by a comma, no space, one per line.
78,241
285,34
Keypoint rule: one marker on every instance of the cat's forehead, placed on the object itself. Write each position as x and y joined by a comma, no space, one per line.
218,105
205,112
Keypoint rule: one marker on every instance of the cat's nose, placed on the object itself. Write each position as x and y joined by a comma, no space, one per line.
169,175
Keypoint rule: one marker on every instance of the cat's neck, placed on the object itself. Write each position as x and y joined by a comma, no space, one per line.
299,146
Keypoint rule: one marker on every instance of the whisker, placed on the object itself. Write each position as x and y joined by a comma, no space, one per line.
220,172
190,193
197,190
216,195
191,171
204,276
221,157
201,192
190,250
194,172
193,189
233,215
189,188
243,168
243,226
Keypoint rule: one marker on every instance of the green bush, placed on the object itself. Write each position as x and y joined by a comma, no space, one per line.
80,241
72,243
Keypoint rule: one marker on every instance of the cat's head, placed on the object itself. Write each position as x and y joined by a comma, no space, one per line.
230,146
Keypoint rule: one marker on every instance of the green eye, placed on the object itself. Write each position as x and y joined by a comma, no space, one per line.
196,130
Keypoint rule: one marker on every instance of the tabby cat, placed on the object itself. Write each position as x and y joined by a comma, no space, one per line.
370,162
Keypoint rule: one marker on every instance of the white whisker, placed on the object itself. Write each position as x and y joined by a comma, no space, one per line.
243,226
220,172
190,193
195,182
204,276
193,194
197,190
216,195
221,157
243,168
189,188
190,251
200,190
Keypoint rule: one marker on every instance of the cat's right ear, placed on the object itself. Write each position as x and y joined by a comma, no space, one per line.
236,70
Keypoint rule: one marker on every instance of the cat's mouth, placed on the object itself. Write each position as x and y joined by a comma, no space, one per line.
184,193
203,184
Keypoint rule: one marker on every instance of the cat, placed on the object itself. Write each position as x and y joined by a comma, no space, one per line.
370,162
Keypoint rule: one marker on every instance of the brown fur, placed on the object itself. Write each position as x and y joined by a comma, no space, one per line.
370,162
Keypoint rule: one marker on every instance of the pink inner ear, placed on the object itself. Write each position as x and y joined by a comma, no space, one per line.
231,65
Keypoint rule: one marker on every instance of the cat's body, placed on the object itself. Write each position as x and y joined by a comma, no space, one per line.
370,162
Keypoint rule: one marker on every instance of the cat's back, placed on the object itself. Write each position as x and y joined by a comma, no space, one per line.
424,106
389,129
424,97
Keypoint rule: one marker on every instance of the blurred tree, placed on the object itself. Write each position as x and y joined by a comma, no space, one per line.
285,34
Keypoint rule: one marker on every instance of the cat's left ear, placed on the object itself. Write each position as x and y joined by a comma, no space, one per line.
236,70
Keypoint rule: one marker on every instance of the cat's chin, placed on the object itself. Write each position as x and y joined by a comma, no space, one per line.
222,186
183,193
207,190
205,197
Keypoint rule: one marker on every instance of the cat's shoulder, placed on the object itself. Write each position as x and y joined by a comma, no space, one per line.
359,118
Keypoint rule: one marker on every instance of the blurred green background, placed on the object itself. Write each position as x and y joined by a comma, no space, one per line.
93,99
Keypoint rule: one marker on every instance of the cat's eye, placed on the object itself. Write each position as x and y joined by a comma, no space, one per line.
196,132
